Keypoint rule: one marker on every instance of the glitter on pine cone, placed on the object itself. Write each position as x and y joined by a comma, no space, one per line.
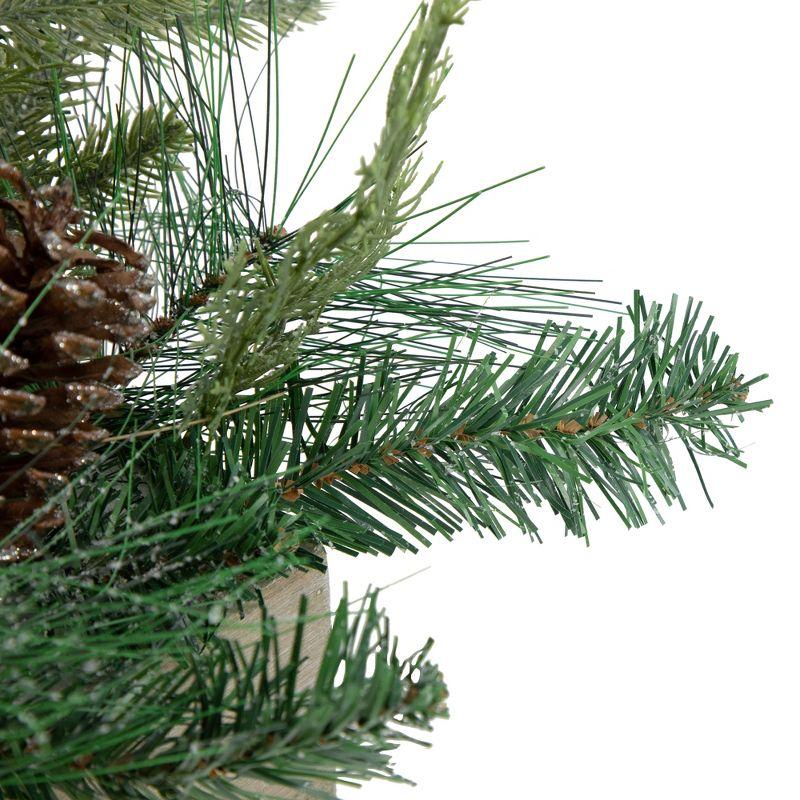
59,305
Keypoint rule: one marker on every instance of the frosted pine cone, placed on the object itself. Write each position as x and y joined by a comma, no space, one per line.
59,305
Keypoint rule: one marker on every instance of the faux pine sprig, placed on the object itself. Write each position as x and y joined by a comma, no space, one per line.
53,62
588,415
194,725
262,312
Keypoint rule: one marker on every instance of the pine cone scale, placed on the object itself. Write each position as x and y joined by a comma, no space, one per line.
11,362
14,404
117,370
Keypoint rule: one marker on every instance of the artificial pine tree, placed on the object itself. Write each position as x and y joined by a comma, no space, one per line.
302,386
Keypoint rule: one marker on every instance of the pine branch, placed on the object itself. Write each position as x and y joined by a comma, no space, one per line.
45,72
44,50
95,25
261,313
587,410
126,154
289,15
28,101
217,714
118,152
373,463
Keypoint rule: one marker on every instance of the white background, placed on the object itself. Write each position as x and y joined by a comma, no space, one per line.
661,663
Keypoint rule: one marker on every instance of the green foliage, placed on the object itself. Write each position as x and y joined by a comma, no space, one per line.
303,387
125,154
588,413
45,61
288,15
88,26
52,55
248,334
384,465
188,712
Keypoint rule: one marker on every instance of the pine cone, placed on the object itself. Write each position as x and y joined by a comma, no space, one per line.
59,303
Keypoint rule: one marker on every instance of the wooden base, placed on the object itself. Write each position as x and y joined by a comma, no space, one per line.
282,598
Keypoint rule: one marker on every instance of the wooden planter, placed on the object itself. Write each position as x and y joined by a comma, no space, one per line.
282,598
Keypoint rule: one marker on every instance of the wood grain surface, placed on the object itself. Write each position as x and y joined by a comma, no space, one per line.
282,598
